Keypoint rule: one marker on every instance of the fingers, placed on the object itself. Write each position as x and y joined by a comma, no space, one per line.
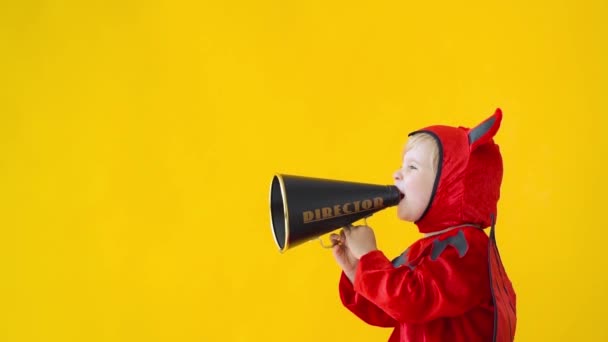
343,237
347,231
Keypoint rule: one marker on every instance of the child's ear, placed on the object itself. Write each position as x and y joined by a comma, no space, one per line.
485,131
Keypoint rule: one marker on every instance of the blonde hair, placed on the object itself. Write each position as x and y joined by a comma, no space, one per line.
425,138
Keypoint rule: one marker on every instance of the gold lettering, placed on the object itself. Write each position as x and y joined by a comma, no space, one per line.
345,208
337,211
308,216
342,209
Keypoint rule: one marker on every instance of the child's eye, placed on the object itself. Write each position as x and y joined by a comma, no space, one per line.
412,167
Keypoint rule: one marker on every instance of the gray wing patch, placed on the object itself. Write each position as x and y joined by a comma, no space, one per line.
402,260
458,241
480,130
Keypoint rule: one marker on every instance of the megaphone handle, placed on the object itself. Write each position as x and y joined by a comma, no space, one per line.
347,227
332,245
324,245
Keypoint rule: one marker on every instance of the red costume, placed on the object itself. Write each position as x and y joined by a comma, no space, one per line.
451,286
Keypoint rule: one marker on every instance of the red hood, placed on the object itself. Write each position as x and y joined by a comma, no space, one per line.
467,186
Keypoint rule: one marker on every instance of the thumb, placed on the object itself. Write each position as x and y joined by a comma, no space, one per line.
335,239
344,234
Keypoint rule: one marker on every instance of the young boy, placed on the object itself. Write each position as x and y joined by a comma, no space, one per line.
450,285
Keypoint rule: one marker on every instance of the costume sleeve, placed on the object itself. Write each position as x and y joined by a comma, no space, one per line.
446,286
361,307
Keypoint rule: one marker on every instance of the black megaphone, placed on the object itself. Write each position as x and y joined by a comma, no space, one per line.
305,208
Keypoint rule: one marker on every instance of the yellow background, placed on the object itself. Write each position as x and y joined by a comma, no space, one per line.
138,141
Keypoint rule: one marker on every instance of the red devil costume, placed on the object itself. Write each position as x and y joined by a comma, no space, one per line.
451,286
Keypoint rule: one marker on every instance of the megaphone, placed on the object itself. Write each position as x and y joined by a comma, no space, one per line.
305,208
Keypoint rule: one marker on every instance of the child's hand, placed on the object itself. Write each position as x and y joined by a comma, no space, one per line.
361,240
343,255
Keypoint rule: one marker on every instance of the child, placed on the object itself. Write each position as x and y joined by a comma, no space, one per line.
450,285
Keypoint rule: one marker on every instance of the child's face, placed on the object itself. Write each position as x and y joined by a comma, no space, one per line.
415,180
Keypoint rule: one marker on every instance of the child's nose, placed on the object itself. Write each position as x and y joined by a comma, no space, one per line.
397,175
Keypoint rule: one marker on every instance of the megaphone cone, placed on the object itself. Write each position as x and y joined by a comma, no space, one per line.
304,208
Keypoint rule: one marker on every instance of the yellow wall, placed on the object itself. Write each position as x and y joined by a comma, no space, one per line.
138,140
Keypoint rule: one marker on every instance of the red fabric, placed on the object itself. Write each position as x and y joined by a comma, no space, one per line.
450,293
504,296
